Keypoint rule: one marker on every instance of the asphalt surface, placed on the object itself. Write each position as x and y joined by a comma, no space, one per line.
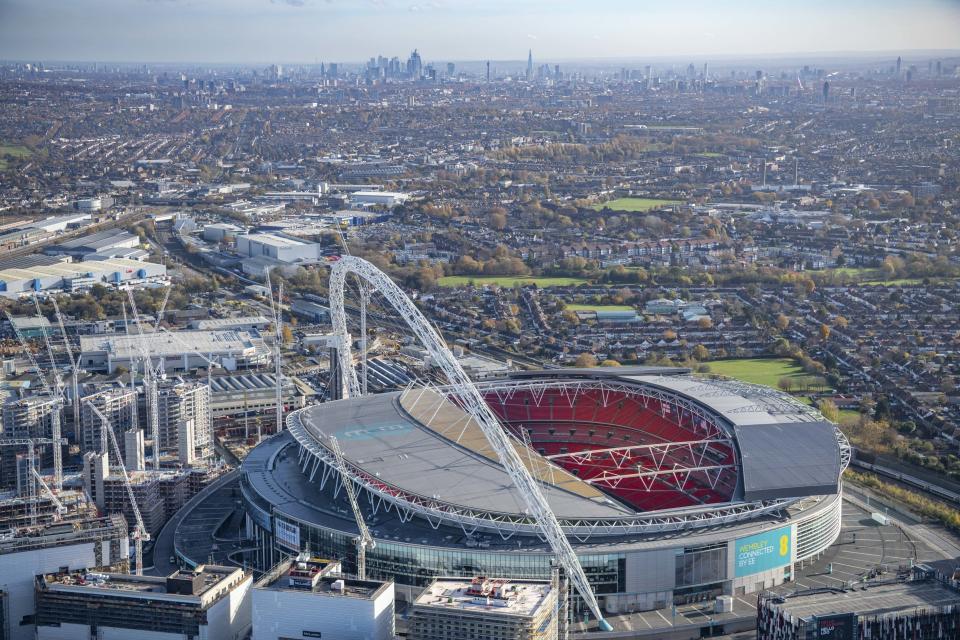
863,546
163,548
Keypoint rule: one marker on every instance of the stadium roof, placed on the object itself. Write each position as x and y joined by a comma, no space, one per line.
786,448
426,445
377,435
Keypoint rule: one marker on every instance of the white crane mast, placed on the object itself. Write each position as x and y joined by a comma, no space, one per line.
149,383
163,308
364,540
54,417
74,365
58,390
140,534
33,474
468,398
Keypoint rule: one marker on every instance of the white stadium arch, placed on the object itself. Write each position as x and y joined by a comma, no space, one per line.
469,397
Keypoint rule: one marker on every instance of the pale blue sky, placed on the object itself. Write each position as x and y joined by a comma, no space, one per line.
347,30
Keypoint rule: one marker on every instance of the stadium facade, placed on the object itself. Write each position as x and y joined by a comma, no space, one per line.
671,488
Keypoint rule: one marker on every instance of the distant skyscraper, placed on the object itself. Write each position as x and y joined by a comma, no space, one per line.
488,71
530,65
415,65
451,69
899,64
826,91
706,69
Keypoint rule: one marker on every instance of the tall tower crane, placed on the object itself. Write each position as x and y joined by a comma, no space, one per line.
58,395
34,476
364,541
149,383
140,533
74,365
55,435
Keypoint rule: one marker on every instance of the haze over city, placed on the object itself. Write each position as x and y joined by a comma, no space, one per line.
303,31
460,320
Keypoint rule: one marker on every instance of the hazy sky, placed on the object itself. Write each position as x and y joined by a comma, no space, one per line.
349,30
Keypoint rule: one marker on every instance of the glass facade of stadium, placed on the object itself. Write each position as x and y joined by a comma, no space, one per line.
637,576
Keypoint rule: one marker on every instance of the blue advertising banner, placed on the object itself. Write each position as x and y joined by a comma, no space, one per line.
761,552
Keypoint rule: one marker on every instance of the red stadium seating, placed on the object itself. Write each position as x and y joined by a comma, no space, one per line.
559,422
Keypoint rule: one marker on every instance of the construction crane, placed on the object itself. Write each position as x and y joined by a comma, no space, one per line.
211,363
364,541
55,411
149,383
58,397
140,533
163,308
74,365
33,474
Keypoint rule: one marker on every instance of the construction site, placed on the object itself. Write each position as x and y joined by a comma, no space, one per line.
93,464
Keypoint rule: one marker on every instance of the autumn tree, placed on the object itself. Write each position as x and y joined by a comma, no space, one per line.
585,360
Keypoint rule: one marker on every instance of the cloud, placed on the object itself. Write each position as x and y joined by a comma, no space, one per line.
530,36
289,3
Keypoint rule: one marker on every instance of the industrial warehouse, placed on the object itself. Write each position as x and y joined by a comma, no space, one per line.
669,487
34,274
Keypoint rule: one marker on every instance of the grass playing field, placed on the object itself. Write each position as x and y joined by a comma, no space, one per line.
639,205
508,281
598,307
766,371
8,151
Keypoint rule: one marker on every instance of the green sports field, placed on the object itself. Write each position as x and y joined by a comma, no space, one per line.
508,281
637,205
766,371
598,307
14,152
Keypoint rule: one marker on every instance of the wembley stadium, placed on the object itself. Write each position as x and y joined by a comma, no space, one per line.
669,487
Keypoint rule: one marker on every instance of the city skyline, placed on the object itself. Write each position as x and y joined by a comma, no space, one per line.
308,31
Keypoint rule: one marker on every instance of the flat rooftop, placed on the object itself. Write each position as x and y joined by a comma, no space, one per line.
275,240
450,460
164,344
93,583
872,600
499,596
225,323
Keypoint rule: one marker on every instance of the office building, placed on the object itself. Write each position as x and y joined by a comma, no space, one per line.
308,598
211,602
494,609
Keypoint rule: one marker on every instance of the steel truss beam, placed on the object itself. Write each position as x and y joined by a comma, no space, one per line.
469,398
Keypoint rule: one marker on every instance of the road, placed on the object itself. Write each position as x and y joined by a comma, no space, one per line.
163,548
